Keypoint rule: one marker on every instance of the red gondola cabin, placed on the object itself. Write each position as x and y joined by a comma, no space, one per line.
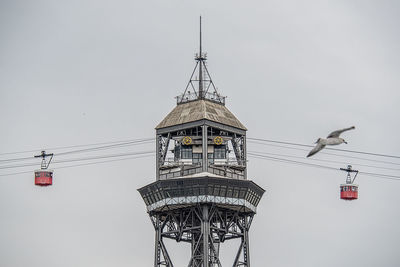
349,191
43,177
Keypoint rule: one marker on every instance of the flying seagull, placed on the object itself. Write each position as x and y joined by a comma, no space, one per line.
332,139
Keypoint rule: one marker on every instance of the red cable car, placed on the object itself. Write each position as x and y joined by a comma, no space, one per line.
349,190
44,176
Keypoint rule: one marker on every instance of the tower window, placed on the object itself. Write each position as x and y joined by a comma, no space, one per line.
197,157
177,152
187,152
220,152
210,158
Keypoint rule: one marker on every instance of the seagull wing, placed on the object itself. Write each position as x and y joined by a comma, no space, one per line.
316,149
338,132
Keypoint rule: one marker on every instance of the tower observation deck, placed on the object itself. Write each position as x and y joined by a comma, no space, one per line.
201,195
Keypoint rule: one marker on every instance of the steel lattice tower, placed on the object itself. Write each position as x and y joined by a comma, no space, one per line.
201,194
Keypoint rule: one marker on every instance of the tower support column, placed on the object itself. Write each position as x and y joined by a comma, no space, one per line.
246,248
205,229
158,148
161,257
205,147
157,251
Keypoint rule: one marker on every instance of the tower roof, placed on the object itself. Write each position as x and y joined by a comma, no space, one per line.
199,110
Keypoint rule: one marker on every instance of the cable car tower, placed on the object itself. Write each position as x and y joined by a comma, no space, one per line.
349,190
201,195
44,176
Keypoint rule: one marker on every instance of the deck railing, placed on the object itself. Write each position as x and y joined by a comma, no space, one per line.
186,171
189,96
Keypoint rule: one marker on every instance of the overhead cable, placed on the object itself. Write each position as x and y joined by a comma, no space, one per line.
16,159
326,153
104,147
117,145
81,159
74,146
292,161
84,164
324,160
336,149
377,175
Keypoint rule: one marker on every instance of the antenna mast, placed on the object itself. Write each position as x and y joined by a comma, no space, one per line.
201,86
201,59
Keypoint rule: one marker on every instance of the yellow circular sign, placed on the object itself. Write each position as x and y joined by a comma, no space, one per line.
187,140
218,140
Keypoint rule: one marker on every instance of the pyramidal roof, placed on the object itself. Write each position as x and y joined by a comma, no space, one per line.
199,110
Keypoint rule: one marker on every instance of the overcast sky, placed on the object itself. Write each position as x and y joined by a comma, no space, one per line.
80,72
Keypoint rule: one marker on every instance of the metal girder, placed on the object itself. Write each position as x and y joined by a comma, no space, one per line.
238,144
206,227
244,225
161,256
163,148
205,148
193,124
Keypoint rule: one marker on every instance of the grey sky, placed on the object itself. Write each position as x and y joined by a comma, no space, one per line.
79,72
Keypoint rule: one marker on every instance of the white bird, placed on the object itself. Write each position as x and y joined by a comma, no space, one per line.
332,139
